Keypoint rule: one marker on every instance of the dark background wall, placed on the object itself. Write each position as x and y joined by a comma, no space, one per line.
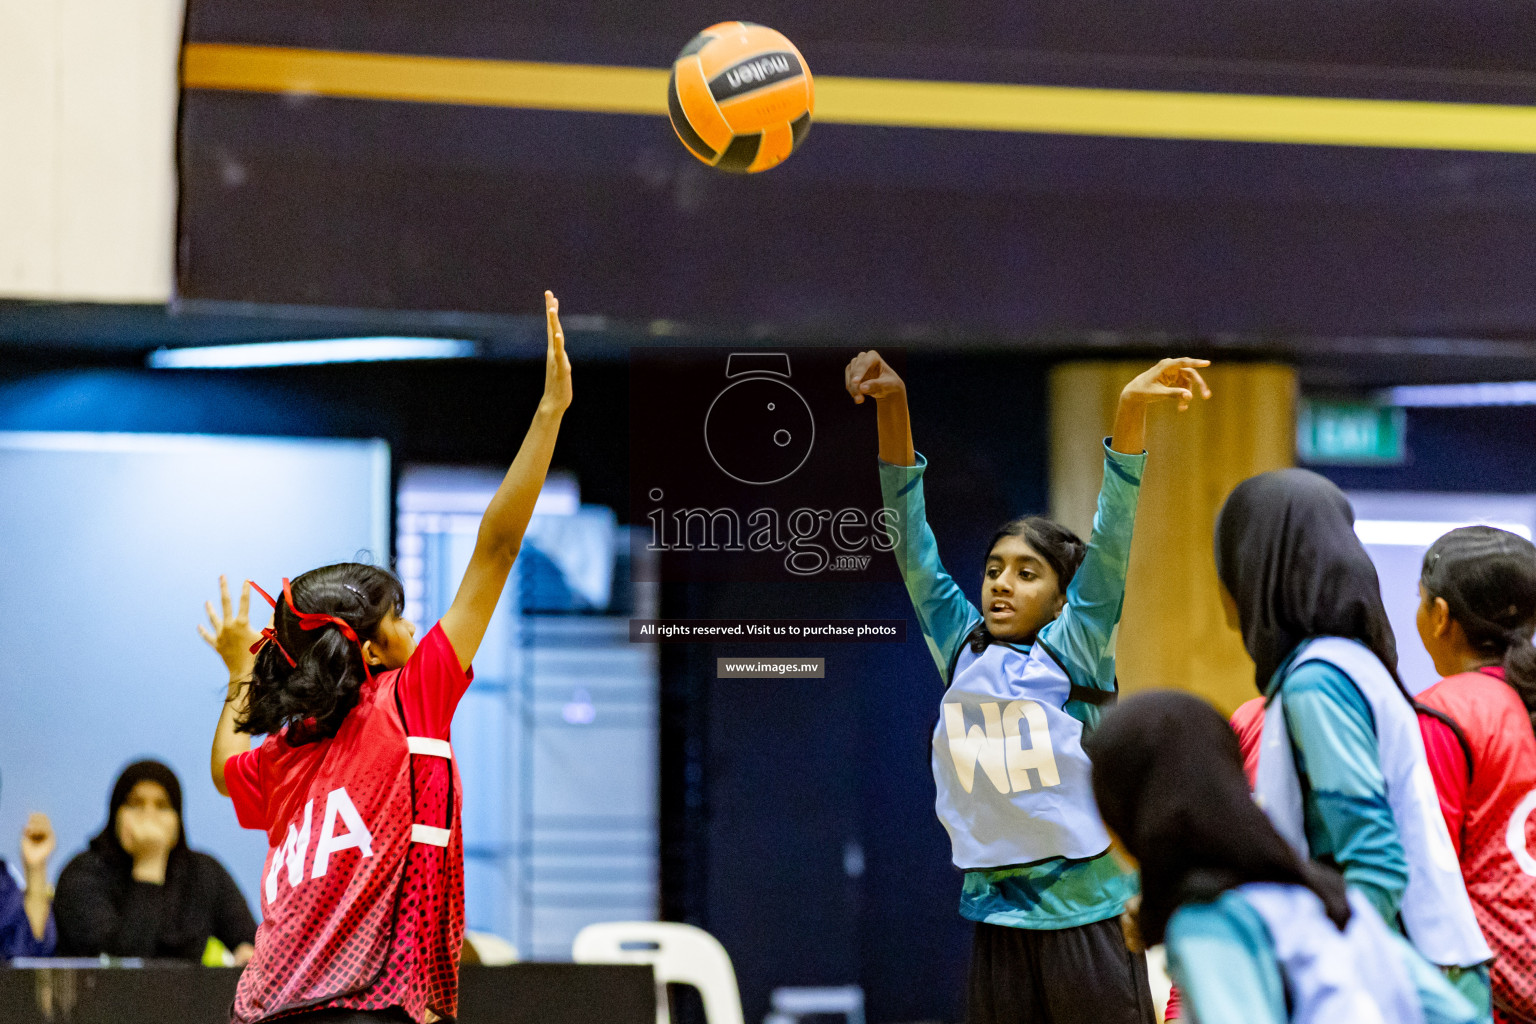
295,199
1490,449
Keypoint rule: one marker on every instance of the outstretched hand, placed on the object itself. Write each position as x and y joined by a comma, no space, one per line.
232,635
557,367
867,374
1177,378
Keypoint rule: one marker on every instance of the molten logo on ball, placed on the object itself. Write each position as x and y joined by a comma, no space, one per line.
763,71
759,430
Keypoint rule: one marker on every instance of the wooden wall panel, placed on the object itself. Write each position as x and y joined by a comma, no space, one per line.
1173,632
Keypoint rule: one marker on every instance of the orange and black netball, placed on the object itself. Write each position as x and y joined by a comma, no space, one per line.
740,97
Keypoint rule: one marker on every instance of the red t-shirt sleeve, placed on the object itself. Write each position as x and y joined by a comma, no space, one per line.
242,777
431,684
1448,766
1248,722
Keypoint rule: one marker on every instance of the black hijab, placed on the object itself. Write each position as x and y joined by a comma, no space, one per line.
1168,778
1286,551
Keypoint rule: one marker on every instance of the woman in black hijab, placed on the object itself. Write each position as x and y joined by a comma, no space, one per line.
1292,570
1254,933
138,890
1306,598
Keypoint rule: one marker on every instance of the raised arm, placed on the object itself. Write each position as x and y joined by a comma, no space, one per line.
869,375
37,845
943,612
506,518
1084,631
232,637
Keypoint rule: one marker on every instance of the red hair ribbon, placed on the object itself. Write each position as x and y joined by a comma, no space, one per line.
307,620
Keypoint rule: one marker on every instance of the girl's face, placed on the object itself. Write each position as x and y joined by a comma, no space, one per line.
392,644
148,816
1019,591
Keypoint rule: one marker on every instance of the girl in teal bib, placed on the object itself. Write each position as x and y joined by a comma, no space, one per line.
1025,677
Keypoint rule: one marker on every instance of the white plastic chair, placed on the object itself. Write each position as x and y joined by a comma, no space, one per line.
679,954
1157,974
493,950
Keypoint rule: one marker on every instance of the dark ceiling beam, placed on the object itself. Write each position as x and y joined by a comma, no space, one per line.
90,332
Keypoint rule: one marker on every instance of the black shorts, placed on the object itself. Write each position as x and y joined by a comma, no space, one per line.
1082,975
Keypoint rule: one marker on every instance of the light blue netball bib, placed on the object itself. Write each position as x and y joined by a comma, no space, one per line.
1014,785
1437,915
1332,977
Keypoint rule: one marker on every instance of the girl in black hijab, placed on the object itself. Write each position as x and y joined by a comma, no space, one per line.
1255,934
138,890
1338,724
1292,570
1168,779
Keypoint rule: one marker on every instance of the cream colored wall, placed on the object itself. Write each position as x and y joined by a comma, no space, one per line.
1173,632
87,148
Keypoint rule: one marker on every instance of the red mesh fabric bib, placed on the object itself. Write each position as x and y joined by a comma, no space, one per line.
363,888
1498,841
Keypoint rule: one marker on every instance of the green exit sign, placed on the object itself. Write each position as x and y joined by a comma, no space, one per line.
1350,433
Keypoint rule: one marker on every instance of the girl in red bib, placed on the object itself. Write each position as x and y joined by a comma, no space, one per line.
362,892
1477,610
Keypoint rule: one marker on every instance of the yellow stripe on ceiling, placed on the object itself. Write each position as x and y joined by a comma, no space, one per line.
886,102
381,76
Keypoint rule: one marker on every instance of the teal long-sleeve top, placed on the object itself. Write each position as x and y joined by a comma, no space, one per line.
1057,893
1221,956
1348,821
1345,812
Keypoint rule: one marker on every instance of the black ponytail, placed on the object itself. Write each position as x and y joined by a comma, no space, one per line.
1487,577
1520,671
1062,550
313,696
